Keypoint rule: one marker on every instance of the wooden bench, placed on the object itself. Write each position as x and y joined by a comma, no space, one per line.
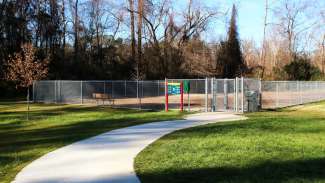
103,97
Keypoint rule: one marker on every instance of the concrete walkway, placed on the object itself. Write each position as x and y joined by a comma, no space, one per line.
107,157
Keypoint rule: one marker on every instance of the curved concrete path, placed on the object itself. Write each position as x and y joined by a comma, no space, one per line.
107,158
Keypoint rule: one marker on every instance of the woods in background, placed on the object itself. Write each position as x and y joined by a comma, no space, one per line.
150,39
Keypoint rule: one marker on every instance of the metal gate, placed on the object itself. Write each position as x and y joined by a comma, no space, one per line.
224,94
234,95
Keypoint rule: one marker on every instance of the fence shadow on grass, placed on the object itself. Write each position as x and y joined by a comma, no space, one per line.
310,170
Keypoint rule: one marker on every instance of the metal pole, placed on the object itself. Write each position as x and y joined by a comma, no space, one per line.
206,94
137,89
81,94
277,94
27,103
104,87
297,92
317,91
225,92
188,101
33,91
300,94
182,94
59,90
242,94
124,88
158,88
141,95
112,89
260,93
216,94
213,96
142,88
55,91
236,94
166,94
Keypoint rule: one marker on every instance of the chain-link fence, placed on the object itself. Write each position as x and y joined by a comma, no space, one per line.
128,94
210,94
277,94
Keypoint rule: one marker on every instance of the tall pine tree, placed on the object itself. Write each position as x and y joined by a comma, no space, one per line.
229,56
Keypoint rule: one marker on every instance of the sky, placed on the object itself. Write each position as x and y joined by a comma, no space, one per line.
250,19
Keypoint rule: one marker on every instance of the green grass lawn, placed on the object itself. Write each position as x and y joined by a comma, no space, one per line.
274,146
53,126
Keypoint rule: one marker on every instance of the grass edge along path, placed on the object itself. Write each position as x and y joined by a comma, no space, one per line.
54,126
286,145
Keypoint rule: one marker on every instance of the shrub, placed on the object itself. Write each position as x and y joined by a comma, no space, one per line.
301,69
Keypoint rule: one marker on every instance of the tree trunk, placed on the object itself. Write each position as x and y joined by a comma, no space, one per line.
64,27
131,2
140,14
264,37
76,31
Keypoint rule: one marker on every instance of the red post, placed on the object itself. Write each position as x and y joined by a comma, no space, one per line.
166,95
182,94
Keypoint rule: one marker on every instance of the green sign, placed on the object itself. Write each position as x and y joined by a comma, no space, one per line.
186,86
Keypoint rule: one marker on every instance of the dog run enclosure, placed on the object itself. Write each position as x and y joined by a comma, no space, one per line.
210,94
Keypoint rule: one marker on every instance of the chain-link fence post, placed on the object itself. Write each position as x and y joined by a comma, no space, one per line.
81,94
289,83
225,94
242,94
300,94
112,89
55,90
33,91
140,94
260,93
317,91
213,95
236,94
277,94
59,91
124,88
297,92
158,88
104,86
206,94
166,94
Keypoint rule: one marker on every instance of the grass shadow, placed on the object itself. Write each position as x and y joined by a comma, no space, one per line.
310,170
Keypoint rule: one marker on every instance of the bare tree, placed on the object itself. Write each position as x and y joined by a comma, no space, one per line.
176,36
292,21
132,30
64,26
263,55
140,18
74,5
251,54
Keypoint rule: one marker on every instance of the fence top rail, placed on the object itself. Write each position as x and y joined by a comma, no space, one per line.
186,79
49,81
100,81
295,81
